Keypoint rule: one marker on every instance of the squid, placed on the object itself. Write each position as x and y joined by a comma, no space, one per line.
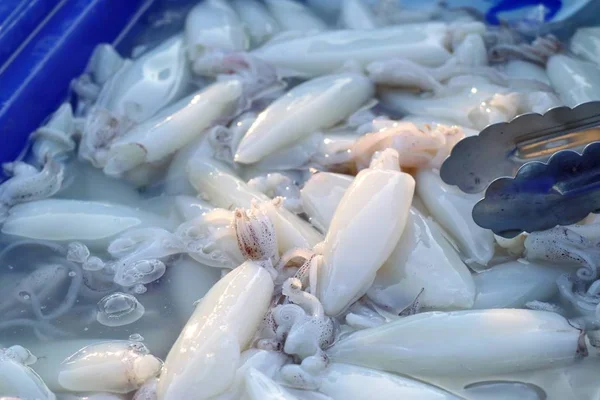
116,367
279,185
515,283
356,15
469,58
584,43
259,24
293,16
305,330
473,103
17,379
132,92
210,239
184,121
518,69
220,328
92,223
261,387
474,343
338,258
55,139
212,27
301,111
452,210
27,184
576,81
417,148
576,248
312,55
321,196
266,363
423,260
344,381
218,184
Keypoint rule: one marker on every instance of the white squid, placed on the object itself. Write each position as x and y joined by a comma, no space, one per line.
473,103
576,81
117,367
356,15
294,16
327,52
211,28
148,83
265,362
452,208
210,239
55,139
369,200
321,195
131,94
317,104
174,127
261,387
585,43
260,25
217,183
469,58
27,183
93,223
349,382
514,284
423,260
95,396
463,343
518,69
17,379
343,257
305,331
202,362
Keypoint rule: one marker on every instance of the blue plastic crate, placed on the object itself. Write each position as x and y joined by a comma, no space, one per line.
44,44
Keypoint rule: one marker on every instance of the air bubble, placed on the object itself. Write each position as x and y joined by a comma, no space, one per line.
140,272
136,337
72,274
77,252
93,264
118,309
139,289
24,295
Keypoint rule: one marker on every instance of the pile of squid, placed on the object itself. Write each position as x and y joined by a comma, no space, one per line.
252,209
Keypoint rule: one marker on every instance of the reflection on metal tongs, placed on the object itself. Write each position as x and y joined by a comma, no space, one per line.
538,171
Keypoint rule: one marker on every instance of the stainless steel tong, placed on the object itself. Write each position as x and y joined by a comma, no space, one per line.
537,171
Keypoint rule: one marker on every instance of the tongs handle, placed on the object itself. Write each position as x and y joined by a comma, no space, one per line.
562,191
501,149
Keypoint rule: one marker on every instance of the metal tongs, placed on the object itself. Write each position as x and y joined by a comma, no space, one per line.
538,171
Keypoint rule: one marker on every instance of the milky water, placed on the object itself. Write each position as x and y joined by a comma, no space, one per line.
159,325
